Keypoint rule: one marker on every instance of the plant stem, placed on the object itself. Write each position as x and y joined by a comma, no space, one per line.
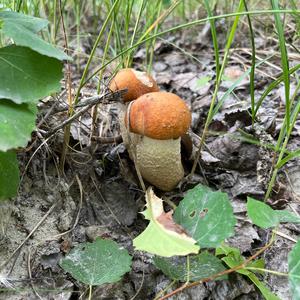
82,80
90,292
70,102
187,25
267,271
284,134
218,82
207,279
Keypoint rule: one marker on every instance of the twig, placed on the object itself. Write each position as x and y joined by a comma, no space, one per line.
90,101
107,96
29,235
284,235
30,276
236,268
108,140
68,84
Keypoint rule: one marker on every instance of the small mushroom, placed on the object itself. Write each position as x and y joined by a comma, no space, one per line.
136,82
154,125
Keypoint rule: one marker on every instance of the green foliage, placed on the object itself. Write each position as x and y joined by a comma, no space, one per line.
162,236
33,24
284,61
102,261
233,258
264,216
16,124
287,158
294,271
26,75
206,215
202,81
200,266
9,174
23,30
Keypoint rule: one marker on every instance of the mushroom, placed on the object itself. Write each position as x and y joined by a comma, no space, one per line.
152,130
136,82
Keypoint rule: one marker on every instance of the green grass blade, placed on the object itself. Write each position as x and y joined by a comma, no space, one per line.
188,25
284,61
235,84
218,81
271,87
214,37
253,58
142,6
82,80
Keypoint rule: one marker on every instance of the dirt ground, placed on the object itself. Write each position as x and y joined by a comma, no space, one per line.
99,194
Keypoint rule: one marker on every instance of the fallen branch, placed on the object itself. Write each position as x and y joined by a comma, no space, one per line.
241,266
86,104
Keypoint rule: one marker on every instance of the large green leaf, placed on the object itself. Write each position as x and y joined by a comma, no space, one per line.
264,216
16,124
201,266
206,215
102,261
294,271
9,174
26,75
163,236
23,30
31,23
233,258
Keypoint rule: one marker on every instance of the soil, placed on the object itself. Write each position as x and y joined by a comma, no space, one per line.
99,193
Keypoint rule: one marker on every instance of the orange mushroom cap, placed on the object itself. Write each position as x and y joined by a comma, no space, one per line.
159,115
138,83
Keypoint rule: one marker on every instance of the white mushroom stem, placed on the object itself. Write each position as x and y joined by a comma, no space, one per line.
159,161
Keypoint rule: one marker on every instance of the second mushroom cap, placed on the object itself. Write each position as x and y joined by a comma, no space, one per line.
136,82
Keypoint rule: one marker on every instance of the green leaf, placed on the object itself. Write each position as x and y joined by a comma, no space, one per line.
201,266
16,124
262,287
23,30
102,261
284,60
287,158
30,23
202,81
294,271
234,258
163,236
264,216
26,75
9,174
206,215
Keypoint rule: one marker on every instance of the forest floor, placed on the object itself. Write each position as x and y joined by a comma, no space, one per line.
99,194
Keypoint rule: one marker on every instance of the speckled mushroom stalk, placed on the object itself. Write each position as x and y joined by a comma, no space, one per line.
155,123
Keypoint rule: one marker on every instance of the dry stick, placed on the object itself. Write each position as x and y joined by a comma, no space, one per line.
107,96
236,268
29,235
30,276
108,140
56,236
89,101
69,88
